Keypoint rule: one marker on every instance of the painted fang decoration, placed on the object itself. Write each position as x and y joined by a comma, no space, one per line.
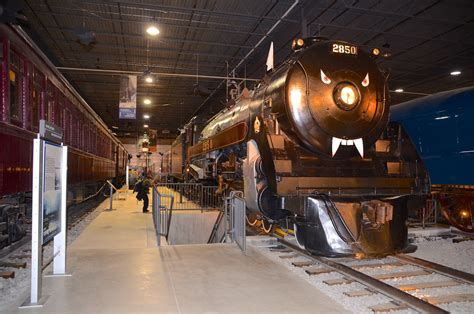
358,143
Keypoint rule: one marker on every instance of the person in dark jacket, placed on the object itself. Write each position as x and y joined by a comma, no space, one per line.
142,188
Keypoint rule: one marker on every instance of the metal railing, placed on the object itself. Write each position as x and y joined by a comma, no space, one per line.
234,215
111,193
191,196
162,210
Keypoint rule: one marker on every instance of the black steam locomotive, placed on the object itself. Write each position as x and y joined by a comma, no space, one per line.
312,145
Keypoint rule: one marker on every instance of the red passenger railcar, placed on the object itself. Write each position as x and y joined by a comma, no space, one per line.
32,89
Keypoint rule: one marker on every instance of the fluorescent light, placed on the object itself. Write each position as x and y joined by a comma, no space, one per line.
455,73
145,125
442,118
399,90
146,116
149,79
114,127
152,30
147,101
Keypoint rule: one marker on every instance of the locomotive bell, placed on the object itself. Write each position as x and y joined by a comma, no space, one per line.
334,95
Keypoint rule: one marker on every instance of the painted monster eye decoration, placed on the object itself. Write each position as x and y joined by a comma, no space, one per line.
324,78
365,82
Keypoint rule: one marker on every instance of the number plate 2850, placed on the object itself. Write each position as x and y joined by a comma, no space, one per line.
344,49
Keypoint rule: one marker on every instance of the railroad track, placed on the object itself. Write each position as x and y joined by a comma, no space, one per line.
351,270
17,255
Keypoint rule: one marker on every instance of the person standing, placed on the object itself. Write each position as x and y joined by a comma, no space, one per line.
142,188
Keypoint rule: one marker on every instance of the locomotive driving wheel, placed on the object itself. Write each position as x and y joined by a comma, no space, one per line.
458,211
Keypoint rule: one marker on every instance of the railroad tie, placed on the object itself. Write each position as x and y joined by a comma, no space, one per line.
458,240
21,256
318,271
7,274
286,250
340,281
461,297
409,287
402,274
377,265
303,263
427,285
387,307
13,264
294,255
359,293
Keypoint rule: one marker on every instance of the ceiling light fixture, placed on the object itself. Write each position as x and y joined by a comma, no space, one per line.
146,116
147,101
455,73
145,125
149,79
152,30
114,127
399,90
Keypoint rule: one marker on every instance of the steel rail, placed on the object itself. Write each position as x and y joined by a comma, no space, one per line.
441,269
379,286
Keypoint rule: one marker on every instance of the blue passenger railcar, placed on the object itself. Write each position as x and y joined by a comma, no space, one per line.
441,126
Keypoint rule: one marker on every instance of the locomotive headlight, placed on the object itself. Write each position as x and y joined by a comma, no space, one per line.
346,96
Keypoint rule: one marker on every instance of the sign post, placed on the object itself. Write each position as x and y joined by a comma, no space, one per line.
48,207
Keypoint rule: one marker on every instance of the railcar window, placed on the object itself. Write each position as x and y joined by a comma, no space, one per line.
15,94
48,110
35,103
15,79
36,91
58,119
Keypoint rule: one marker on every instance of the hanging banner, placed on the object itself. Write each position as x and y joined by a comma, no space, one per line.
153,136
128,97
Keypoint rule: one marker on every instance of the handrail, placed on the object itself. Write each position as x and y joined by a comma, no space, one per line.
111,185
90,196
161,214
112,188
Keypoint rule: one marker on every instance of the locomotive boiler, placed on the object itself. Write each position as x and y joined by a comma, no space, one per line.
311,145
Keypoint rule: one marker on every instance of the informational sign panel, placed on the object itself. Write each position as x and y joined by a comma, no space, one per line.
52,191
128,97
48,207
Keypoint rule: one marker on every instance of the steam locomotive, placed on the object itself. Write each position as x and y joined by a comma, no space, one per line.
311,144
32,89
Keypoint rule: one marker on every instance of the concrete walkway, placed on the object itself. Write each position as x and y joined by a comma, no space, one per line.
117,268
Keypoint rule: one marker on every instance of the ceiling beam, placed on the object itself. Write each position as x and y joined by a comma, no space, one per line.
164,74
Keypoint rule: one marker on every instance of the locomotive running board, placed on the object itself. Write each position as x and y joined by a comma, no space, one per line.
290,185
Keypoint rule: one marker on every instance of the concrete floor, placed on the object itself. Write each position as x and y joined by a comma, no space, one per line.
117,268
